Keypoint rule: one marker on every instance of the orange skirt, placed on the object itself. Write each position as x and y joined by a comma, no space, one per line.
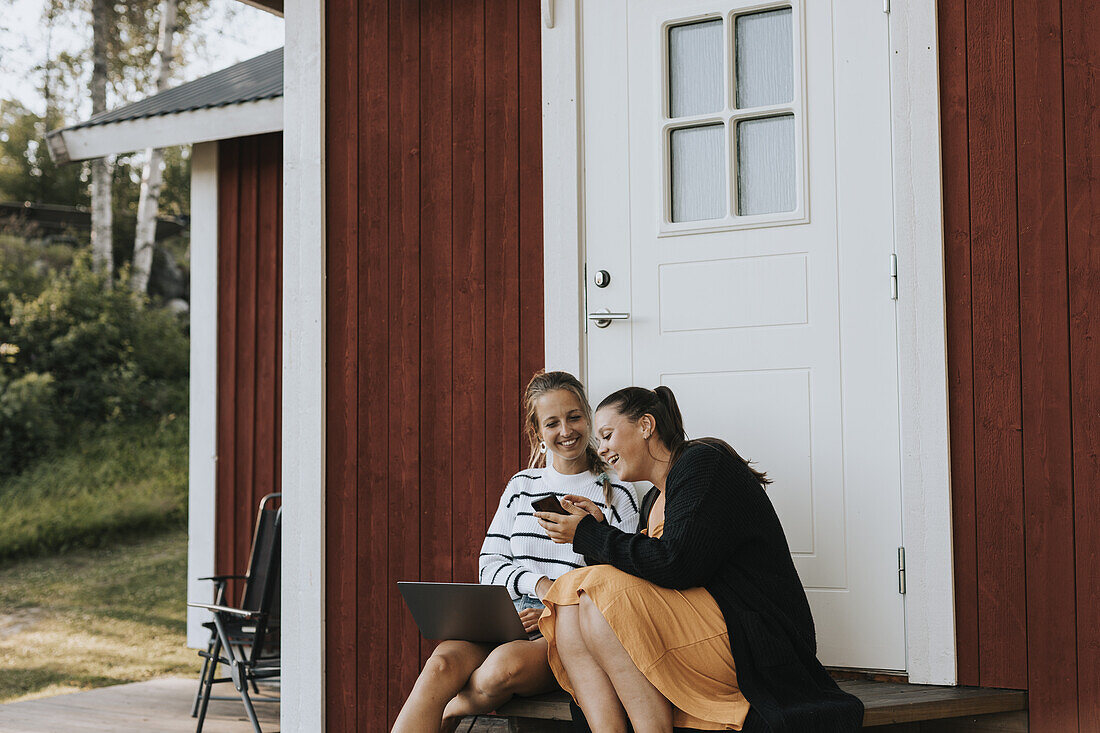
678,639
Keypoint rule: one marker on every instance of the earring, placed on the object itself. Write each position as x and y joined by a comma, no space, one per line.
542,446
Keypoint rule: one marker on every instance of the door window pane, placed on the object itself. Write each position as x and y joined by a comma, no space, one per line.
695,69
764,58
766,165
698,173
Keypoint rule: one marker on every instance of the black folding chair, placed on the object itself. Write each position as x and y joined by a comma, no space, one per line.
245,639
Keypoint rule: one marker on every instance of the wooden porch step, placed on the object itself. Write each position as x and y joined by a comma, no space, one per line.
885,703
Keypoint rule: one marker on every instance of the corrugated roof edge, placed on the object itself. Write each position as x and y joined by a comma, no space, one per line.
251,80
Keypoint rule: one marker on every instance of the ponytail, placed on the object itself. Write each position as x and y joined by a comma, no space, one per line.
672,431
634,402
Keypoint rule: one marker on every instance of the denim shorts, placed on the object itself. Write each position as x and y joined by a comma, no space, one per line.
523,603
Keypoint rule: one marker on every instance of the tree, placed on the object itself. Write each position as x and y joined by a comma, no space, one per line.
152,175
27,173
103,14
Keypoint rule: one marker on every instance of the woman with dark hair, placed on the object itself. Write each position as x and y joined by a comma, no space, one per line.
699,620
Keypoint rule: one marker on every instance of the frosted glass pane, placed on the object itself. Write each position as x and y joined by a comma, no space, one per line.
764,58
695,68
698,173
766,166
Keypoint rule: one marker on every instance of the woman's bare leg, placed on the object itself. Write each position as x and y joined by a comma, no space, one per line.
593,689
648,709
444,674
516,668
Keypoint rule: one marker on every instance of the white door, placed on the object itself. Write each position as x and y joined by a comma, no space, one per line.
738,195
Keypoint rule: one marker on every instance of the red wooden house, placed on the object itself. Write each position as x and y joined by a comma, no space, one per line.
856,238
457,172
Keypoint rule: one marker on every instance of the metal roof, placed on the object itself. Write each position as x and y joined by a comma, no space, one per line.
249,81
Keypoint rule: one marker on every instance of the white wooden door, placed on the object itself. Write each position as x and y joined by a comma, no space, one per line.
738,194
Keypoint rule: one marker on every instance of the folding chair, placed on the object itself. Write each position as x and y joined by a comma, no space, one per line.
246,638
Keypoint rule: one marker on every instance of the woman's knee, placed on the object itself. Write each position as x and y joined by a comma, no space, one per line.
451,659
499,676
516,668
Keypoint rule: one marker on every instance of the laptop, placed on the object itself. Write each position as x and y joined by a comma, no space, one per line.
464,611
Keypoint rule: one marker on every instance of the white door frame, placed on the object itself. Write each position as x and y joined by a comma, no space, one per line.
922,336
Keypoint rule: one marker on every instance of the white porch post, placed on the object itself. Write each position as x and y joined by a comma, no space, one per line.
922,345
202,429
303,470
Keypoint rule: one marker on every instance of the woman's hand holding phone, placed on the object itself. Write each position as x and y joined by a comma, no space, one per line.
584,503
563,527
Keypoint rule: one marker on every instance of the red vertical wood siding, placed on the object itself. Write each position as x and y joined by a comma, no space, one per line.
372,498
396,630
435,315
954,115
1081,57
1021,139
250,185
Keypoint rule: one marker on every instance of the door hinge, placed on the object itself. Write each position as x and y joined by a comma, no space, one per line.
584,284
894,276
901,570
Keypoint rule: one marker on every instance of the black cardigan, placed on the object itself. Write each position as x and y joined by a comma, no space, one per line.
722,533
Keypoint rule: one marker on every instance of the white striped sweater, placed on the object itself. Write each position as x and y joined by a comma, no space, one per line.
517,553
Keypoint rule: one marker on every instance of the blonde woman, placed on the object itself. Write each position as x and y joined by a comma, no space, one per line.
463,678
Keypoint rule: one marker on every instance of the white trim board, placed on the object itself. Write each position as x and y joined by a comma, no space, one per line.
926,499
922,346
161,131
303,440
563,249
202,428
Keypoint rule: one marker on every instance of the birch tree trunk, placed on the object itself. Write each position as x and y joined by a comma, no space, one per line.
102,258
151,174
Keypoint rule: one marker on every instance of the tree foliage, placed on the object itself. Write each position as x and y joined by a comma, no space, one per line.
26,171
73,351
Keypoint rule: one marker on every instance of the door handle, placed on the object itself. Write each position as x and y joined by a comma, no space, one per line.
604,318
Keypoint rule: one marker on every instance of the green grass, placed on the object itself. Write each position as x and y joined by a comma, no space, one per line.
110,482
94,617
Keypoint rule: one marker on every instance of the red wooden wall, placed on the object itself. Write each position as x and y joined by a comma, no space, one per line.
250,195
434,312
1020,89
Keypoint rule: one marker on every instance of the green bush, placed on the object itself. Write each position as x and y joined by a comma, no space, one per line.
26,267
108,355
28,425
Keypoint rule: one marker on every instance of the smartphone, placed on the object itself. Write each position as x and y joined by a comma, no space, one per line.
550,504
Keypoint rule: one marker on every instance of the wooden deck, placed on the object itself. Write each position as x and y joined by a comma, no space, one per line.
885,703
164,706
157,706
